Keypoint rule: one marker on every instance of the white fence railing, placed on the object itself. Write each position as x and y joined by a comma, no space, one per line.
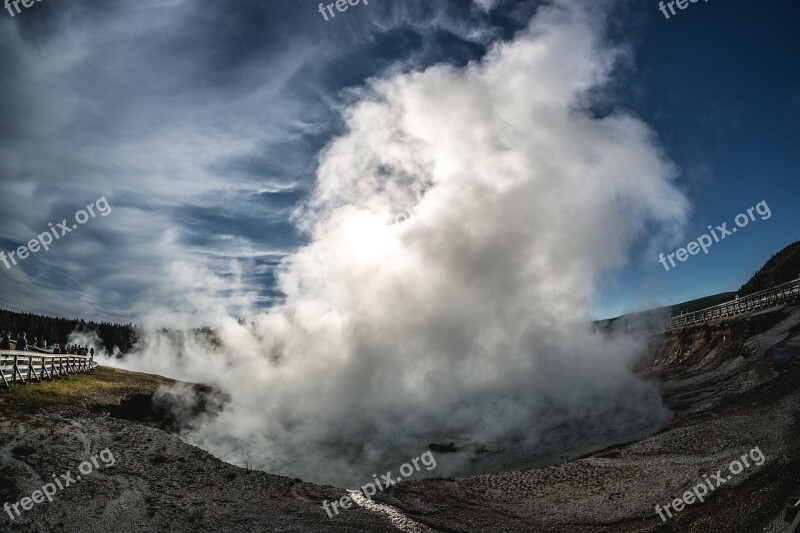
21,367
786,292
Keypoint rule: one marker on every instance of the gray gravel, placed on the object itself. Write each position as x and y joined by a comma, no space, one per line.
730,393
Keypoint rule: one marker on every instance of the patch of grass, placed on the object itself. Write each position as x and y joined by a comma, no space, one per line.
103,386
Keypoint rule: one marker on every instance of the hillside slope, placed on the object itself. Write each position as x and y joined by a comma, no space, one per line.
781,268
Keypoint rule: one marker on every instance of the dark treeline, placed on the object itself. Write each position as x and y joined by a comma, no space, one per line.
781,268
57,330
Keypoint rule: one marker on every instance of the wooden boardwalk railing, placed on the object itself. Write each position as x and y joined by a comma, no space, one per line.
760,300
21,367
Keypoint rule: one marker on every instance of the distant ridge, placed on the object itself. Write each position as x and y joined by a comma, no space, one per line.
781,267
701,303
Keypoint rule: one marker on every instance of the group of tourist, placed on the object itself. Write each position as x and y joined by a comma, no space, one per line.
73,349
22,344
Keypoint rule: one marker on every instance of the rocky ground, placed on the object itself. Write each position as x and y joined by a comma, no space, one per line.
157,482
733,386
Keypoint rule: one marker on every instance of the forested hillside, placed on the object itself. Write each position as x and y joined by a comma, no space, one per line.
782,267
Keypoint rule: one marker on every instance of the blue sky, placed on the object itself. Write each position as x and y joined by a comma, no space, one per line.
203,124
719,84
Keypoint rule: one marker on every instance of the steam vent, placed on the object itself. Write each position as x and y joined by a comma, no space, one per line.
492,266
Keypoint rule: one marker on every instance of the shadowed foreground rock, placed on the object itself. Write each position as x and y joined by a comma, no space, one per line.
733,385
158,482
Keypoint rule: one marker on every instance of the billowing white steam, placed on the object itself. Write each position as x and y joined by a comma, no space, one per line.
458,230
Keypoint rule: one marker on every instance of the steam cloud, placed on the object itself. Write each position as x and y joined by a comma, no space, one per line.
458,229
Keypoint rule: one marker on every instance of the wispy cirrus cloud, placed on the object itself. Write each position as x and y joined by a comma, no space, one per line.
199,122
